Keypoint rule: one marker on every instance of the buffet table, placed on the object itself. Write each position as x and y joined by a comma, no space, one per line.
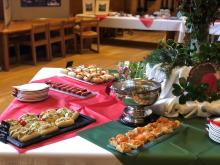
158,24
190,145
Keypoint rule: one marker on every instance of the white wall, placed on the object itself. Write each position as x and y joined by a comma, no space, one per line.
7,12
21,13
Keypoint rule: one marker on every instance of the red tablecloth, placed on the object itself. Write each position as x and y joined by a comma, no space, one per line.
102,107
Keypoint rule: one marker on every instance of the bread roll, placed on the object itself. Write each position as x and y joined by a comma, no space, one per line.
28,136
64,122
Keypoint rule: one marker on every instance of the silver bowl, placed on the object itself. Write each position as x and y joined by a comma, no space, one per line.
143,92
140,93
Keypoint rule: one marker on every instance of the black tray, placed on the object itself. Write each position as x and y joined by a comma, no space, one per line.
81,121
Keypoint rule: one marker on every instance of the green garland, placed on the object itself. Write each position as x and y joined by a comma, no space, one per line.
199,13
188,92
170,55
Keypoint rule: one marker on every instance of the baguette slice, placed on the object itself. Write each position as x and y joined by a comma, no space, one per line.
28,136
47,128
64,122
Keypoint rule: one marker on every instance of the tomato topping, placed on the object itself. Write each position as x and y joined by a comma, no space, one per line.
43,119
22,122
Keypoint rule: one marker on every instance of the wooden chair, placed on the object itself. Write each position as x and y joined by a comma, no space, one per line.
56,35
39,37
88,29
69,34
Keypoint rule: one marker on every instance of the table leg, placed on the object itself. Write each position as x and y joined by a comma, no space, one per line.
170,35
1,52
5,53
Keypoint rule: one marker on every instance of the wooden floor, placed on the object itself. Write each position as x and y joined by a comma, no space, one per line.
109,56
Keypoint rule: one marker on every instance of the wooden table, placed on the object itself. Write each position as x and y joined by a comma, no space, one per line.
18,27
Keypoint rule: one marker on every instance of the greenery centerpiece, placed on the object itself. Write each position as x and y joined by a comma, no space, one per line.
199,15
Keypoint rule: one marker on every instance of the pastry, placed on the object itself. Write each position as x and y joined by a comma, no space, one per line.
135,143
91,73
123,147
137,137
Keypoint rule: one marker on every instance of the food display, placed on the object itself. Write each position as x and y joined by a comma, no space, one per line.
140,136
91,74
69,89
30,126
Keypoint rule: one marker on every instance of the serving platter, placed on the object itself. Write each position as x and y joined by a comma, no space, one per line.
81,121
71,90
150,144
67,93
90,83
91,74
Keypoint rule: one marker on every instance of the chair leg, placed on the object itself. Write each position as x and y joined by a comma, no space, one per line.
81,44
75,44
63,48
34,54
49,56
98,44
50,51
18,55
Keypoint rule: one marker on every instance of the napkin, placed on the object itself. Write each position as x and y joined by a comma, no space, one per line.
146,21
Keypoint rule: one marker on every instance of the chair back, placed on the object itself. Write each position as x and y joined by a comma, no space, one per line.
68,26
56,30
39,32
88,25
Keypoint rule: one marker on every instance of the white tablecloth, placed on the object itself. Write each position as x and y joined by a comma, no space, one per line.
157,25
67,152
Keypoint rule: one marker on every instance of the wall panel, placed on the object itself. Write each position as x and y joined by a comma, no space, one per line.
1,10
115,5
19,13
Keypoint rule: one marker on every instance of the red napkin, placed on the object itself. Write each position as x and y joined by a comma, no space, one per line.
102,107
101,17
146,21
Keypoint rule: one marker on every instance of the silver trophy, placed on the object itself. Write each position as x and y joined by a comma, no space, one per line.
137,95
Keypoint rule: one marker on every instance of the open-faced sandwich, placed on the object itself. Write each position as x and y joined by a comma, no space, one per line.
30,126
49,115
139,136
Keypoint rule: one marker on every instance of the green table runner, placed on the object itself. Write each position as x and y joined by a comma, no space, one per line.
189,146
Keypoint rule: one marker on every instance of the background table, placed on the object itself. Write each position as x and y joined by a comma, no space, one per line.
18,27
159,24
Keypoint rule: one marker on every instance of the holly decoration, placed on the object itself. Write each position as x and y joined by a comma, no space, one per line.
186,91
